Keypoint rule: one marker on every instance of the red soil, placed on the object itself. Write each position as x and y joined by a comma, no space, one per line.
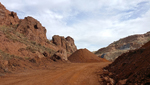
84,56
133,66
58,74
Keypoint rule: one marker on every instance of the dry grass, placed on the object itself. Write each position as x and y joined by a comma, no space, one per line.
7,56
11,34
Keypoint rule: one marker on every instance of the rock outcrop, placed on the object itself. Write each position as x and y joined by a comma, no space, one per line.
121,46
60,55
24,45
131,68
32,29
65,43
26,38
7,18
84,56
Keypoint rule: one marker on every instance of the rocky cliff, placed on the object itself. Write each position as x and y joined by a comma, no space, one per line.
26,39
115,49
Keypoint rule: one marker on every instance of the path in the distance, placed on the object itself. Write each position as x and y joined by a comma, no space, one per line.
70,74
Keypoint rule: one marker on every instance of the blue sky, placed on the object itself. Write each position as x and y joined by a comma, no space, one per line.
92,23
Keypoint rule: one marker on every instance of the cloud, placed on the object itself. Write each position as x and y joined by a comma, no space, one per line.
92,23
136,11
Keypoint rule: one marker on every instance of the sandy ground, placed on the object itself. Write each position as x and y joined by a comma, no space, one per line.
58,74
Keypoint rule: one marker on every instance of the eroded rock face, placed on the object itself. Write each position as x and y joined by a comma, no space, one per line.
7,17
29,26
70,47
57,40
66,43
61,54
26,38
32,29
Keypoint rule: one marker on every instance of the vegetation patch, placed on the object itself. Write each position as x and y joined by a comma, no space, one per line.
6,56
32,46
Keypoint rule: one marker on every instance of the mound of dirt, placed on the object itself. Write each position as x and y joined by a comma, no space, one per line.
84,56
132,67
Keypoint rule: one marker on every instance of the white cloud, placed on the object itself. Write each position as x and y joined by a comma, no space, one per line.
92,23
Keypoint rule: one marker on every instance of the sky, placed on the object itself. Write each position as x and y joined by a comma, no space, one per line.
93,24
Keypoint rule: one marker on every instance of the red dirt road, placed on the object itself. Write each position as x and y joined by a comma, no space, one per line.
58,74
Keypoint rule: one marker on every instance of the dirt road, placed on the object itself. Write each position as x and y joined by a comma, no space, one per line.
60,74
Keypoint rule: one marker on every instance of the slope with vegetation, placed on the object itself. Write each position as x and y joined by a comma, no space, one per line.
23,42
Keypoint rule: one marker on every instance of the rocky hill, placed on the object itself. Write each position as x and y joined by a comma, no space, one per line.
131,68
25,40
115,49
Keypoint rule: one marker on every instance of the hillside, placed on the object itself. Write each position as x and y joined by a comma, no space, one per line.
23,42
115,49
131,68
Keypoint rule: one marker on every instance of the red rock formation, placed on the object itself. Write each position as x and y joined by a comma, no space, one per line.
70,47
32,29
7,17
66,43
28,38
60,55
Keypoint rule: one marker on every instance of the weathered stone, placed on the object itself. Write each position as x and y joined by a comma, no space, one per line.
60,55
71,47
112,82
32,29
7,17
65,43
122,82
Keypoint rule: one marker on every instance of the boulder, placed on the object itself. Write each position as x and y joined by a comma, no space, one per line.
60,55
56,39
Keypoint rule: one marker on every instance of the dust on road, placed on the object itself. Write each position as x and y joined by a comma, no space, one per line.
60,74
